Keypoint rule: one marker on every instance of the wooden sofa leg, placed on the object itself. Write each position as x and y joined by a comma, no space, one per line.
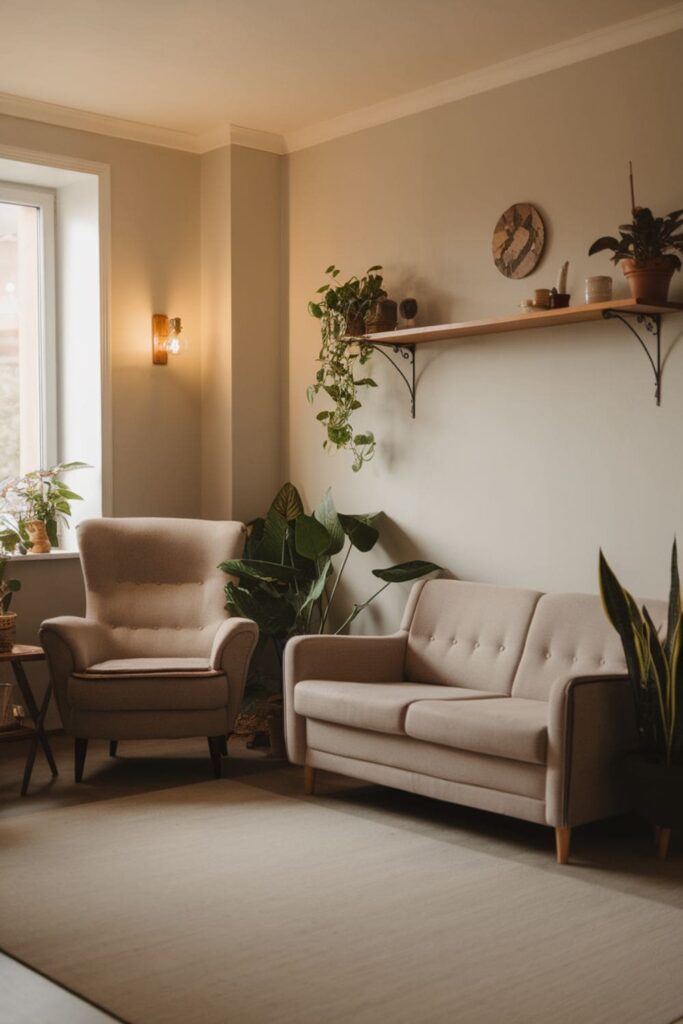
309,780
113,744
563,838
80,750
663,838
215,750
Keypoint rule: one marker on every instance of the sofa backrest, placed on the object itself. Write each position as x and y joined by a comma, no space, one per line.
466,634
570,636
156,583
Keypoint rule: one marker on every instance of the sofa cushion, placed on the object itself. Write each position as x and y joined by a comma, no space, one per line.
145,691
509,727
378,706
571,636
467,634
136,666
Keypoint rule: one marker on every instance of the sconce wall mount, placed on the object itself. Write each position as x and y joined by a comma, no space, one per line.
165,337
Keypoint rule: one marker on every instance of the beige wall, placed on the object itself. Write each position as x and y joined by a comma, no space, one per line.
529,450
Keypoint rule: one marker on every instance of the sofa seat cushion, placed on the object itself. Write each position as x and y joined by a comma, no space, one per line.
381,707
147,684
510,727
137,666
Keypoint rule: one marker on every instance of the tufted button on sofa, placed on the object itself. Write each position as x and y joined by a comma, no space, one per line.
500,698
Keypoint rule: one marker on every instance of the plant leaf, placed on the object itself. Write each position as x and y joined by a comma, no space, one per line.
264,572
406,571
287,502
326,514
311,539
360,531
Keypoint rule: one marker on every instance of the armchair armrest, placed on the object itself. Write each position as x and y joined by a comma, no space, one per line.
357,659
233,646
71,644
591,720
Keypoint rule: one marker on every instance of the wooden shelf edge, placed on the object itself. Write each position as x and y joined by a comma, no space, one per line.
518,322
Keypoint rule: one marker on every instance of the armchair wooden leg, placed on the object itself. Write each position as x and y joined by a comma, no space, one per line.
309,780
215,750
80,750
663,838
113,744
563,838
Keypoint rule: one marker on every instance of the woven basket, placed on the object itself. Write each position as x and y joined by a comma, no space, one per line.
8,631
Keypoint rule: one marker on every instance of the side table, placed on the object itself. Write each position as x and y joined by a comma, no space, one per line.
37,735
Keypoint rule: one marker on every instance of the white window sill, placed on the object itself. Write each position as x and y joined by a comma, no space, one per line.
51,556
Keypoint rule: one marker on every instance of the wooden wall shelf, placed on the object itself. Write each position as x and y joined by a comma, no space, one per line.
625,310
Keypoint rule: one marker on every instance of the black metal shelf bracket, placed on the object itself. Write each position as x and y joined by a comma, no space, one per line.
652,322
406,352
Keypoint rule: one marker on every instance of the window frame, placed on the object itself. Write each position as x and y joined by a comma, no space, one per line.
44,200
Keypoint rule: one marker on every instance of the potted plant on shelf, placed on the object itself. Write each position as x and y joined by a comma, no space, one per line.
655,670
287,581
342,310
8,619
647,250
34,505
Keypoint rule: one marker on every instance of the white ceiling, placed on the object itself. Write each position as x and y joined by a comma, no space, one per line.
274,65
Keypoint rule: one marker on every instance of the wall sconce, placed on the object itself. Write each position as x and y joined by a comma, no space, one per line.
165,337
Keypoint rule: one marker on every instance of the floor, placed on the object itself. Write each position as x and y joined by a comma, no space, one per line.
26,997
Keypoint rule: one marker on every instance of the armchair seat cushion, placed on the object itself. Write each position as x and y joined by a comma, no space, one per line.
510,727
381,707
148,684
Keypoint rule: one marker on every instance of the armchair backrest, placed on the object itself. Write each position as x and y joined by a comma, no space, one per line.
155,583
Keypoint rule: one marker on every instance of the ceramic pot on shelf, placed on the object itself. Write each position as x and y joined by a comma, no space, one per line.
37,533
649,282
8,631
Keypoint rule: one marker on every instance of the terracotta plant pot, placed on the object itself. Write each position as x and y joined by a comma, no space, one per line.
37,533
8,631
649,282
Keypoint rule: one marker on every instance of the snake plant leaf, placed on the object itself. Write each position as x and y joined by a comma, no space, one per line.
620,612
406,571
360,531
326,514
674,617
311,539
262,572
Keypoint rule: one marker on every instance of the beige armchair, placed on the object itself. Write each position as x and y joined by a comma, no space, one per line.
155,655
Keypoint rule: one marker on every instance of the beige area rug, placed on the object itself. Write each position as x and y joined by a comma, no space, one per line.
224,902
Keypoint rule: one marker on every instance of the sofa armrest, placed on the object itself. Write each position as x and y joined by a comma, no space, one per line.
71,644
359,659
233,646
591,720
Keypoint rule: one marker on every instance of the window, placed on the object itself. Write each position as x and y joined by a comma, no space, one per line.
28,414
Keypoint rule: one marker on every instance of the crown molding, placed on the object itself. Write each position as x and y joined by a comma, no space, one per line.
550,58
133,131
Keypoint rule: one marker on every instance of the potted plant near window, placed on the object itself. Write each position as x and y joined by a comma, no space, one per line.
8,619
655,669
647,250
37,503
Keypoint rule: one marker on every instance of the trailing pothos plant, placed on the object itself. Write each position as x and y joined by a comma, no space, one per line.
287,581
341,310
655,666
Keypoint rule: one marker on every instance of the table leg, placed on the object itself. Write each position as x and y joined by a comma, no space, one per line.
38,716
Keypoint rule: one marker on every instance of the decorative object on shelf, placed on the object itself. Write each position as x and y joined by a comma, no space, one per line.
342,310
40,496
542,298
38,538
382,316
287,581
8,619
598,289
166,333
408,310
647,250
655,671
559,295
518,240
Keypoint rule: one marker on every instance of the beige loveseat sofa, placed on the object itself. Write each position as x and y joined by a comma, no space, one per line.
494,697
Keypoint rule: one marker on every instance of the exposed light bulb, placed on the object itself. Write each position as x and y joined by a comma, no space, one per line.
173,342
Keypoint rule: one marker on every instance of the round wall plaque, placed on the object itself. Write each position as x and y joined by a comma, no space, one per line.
518,240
